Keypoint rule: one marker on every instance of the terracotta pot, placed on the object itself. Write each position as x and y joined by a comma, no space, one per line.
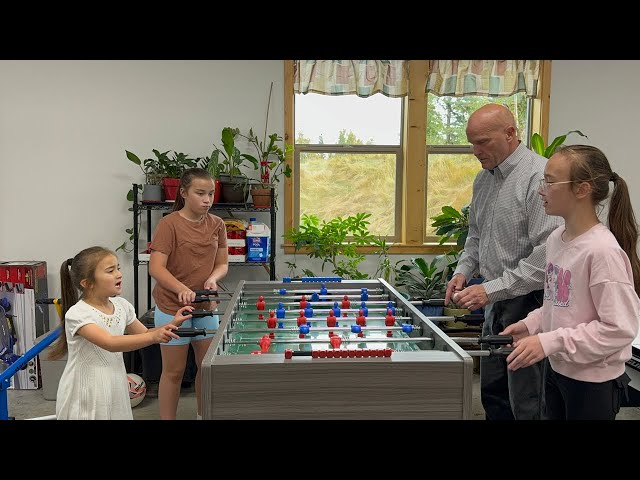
261,197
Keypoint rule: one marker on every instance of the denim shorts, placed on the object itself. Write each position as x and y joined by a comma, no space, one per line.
209,323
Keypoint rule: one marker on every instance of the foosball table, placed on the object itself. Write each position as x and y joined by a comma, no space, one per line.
354,349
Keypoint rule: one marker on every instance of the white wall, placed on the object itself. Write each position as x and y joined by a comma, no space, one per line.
64,128
600,98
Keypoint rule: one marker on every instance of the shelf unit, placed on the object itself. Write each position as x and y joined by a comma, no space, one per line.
139,207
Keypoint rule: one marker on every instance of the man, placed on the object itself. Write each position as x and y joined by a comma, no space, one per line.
506,245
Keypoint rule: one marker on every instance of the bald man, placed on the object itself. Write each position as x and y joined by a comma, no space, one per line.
508,229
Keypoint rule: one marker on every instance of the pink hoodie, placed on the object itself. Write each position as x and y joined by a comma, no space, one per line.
591,312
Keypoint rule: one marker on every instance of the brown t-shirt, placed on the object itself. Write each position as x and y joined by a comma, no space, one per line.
191,248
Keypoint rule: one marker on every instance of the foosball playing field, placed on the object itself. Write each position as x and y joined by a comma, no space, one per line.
354,349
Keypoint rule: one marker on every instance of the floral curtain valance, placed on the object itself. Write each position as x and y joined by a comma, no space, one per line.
351,77
492,78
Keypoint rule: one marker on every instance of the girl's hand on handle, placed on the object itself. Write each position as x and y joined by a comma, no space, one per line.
164,333
187,296
181,315
212,284
517,330
527,352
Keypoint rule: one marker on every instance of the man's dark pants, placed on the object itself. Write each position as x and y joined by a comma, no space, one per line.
508,395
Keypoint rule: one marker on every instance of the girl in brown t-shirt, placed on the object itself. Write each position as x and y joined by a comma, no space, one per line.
188,252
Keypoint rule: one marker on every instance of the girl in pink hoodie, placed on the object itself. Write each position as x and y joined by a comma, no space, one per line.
590,315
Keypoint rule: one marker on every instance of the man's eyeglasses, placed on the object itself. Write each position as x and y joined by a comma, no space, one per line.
544,185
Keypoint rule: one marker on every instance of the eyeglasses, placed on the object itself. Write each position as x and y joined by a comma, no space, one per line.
544,185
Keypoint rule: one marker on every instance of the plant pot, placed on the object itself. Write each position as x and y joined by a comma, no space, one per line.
170,187
234,189
455,312
261,197
152,193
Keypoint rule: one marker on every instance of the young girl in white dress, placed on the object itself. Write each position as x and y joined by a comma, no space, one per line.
94,383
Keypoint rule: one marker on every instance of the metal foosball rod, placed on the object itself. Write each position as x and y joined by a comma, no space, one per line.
492,341
316,303
312,329
194,332
321,298
328,340
318,319
308,291
316,310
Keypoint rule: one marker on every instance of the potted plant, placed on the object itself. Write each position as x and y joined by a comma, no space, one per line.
335,243
422,281
212,165
172,169
234,181
152,169
271,159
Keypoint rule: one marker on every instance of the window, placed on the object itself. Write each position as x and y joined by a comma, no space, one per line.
348,159
400,159
451,164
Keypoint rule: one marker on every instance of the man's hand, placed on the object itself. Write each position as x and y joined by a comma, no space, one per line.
471,298
455,285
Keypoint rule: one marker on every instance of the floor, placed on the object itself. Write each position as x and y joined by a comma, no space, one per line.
25,404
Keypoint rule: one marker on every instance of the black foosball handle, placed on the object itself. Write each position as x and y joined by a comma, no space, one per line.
496,340
201,293
199,313
193,332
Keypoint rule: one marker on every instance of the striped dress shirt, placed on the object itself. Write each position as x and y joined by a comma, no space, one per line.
508,227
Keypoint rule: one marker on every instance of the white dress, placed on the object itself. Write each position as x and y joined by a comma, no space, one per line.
94,383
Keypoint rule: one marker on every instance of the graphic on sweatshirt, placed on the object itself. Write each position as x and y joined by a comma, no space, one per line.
557,285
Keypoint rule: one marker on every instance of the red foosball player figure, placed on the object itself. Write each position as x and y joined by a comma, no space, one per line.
345,302
302,320
389,321
272,322
362,321
303,302
335,341
265,343
260,304
331,319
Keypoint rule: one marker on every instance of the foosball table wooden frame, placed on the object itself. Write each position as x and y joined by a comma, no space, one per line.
432,383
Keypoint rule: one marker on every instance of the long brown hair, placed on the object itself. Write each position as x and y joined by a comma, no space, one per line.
589,164
72,272
185,182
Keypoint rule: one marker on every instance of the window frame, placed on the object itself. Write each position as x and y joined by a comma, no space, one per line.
413,164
